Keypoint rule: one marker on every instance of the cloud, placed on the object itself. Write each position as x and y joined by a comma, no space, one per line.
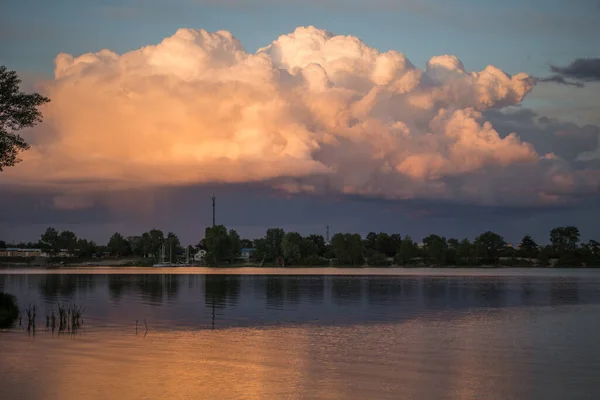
311,112
580,70
583,69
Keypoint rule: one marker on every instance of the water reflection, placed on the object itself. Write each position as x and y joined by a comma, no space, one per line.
260,300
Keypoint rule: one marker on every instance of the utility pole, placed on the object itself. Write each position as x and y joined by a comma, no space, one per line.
213,199
327,235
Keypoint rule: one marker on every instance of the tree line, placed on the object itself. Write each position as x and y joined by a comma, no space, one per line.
278,247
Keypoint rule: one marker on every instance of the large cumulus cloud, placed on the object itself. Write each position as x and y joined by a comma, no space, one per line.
310,112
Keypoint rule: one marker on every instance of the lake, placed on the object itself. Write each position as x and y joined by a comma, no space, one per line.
306,334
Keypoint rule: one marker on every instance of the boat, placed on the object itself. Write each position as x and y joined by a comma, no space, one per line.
163,263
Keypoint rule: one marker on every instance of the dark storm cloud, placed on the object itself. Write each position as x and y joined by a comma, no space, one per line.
583,69
577,73
251,209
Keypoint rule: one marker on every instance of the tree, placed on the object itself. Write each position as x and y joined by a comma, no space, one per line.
118,245
370,241
348,248
2,244
156,240
319,242
591,253
564,239
234,245
135,244
18,110
50,241
465,252
261,249
86,248
274,238
488,247
145,245
291,246
395,243
172,243
68,241
528,247
408,251
247,244
217,244
435,248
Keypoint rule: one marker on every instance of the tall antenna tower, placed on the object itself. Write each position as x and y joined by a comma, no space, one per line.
213,199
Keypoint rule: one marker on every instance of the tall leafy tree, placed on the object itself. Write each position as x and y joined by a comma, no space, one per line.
156,240
118,245
291,246
528,247
408,251
370,242
395,243
18,110
173,244
436,249
274,239
320,245
135,243
489,246
348,248
68,241
564,239
86,248
217,244
246,244
50,240
234,245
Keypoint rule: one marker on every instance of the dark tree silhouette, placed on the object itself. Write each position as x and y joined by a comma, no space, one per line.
18,110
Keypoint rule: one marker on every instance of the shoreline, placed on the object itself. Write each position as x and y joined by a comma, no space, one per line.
321,271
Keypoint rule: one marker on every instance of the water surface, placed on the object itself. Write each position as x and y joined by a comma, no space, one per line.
388,334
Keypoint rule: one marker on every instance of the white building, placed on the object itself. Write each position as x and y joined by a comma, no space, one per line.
200,255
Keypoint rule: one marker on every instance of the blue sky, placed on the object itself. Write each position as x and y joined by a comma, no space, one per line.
516,36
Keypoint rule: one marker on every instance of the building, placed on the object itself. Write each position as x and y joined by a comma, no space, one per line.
200,255
245,254
17,252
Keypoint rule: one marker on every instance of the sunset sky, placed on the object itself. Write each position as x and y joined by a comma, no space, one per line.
404,116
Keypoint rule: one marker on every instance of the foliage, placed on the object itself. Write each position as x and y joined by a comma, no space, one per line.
489,246
436,249
246,244
9,311
315,260
118,245
348,248
378,259
18,110
564,239
528,248
222,246
235,246
320,247
408,251
49,240
291,246
345,249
